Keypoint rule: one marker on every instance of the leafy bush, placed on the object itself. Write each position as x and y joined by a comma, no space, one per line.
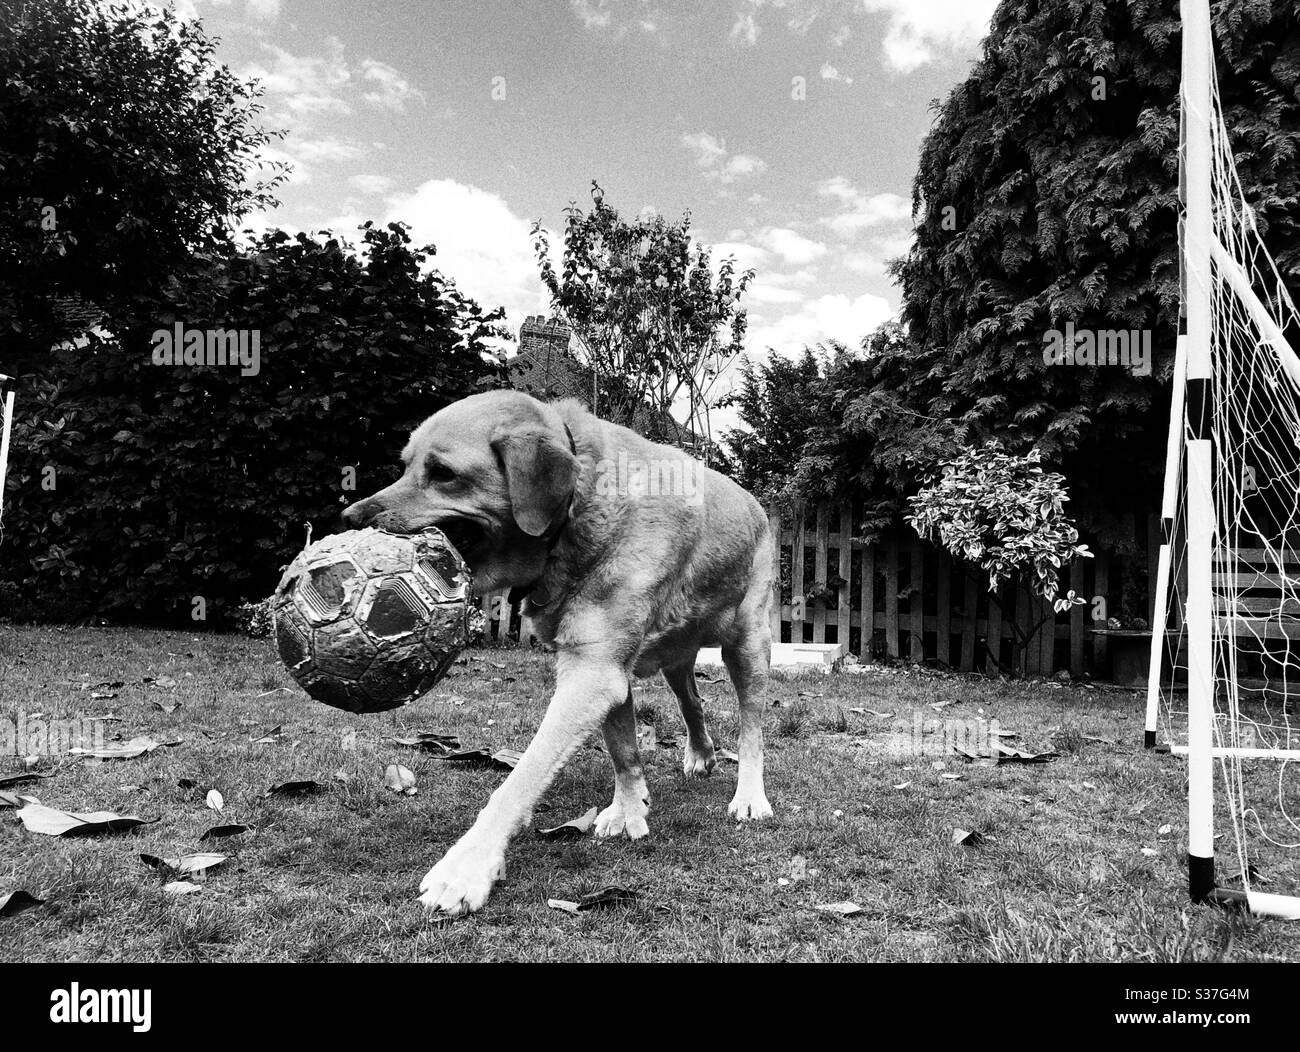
255,619
171,492
1005,515
1002,513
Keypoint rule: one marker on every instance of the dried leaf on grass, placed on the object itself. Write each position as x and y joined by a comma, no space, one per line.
10,780
429,741
844,909
14,902
505,759
301,788
220,832
197,863
129,751
399,779
574,828
37,818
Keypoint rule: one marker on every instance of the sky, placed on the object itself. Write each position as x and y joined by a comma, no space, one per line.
790,129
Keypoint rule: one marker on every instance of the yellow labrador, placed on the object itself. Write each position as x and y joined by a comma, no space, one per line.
633,556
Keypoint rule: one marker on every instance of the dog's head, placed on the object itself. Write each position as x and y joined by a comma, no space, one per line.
495,472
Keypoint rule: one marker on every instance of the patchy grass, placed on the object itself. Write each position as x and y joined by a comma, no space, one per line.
1060,875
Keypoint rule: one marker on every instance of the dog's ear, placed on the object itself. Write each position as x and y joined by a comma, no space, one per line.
540,474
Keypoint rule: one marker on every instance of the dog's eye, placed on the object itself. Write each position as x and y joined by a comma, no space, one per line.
437,471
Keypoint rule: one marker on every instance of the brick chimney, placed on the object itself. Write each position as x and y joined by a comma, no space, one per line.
543,336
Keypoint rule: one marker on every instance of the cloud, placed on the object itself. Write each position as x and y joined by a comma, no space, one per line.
304,85
792,247
712,158
780,287
745,28
263,10
831,317
328,149
300,88
861,211
918,33
593,14
371,184
829,72
746,254
600,15
482,245
389,89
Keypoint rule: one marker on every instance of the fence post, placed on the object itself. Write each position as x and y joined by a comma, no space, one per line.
774,528
797,593
891,595
943,610
916,606
867,600
1047,640
1101,586
1077,624
821,559
844,607
993,636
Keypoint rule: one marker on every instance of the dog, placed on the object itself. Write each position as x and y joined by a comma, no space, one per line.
632,556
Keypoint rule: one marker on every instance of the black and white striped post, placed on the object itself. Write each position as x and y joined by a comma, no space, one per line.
1198,232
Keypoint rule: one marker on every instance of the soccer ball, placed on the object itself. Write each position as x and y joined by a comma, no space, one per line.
368,621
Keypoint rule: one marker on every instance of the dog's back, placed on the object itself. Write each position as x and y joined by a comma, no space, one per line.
652,523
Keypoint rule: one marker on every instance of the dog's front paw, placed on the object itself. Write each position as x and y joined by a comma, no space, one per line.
460,883
751,807
617,819
698,763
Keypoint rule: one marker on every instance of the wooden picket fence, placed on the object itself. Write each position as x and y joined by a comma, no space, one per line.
903,599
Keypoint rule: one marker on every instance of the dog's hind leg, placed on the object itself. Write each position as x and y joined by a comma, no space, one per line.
631,796
699,756
747,663
747,655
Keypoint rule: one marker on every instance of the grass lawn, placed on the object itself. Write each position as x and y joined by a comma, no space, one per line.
1060,875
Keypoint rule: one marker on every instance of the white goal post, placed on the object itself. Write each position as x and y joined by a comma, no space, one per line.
6,428
1230,515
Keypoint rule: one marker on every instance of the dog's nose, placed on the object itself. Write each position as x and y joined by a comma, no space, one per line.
354,516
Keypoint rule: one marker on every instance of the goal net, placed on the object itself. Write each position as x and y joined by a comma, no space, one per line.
1224,690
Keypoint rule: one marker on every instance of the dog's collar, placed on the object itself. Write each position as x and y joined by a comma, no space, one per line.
527,591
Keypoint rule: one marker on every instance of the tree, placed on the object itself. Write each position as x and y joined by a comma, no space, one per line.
1046,194
126,148
138,487
655,326
772,400
1005,515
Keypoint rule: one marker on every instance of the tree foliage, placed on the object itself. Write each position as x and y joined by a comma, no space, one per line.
655,325
1047,193
124,147
136,487
772,400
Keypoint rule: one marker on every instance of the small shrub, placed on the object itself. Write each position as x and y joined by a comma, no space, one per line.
254,619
